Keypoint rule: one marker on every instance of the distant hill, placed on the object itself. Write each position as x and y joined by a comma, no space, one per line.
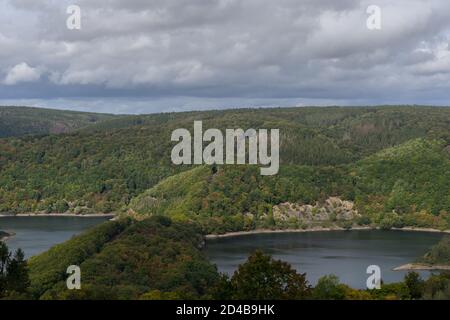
19,121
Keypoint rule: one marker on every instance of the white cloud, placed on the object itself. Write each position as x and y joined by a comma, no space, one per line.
21,73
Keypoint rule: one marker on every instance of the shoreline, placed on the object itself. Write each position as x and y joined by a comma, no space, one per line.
316,229
421,267
421,230
93,215
6,237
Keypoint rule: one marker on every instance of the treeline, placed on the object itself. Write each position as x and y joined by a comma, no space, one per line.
20,121
102,167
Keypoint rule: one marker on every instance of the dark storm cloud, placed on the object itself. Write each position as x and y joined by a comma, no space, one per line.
181,54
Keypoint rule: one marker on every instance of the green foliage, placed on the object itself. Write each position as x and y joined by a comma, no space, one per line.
391,291
239,198
437,287
158,295
150,259
329,288
50,267
17,279
438,254
262,278
236,198
409,178
61,206
415,285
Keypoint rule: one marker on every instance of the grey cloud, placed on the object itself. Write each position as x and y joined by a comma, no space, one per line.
225,51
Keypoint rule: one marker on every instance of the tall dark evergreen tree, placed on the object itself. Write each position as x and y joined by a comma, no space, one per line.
14,279
17,279
4,259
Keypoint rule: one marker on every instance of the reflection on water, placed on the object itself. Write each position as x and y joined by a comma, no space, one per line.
37,234
346,254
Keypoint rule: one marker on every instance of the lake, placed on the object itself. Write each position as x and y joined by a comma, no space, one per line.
37,234
346,254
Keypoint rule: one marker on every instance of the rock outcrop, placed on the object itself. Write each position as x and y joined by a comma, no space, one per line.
334,209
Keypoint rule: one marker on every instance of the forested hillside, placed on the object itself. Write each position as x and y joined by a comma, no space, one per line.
404,185
152,259
19,121
391,162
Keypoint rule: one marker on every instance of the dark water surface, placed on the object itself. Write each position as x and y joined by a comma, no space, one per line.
37,234
346,254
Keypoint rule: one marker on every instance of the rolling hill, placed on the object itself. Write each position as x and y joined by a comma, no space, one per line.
20,121
124,259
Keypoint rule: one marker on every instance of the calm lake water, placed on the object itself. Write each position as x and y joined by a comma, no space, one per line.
37,234
346,254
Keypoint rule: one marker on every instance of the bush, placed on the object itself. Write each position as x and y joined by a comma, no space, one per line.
329,288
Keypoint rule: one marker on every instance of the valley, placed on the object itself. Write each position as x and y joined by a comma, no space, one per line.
372,170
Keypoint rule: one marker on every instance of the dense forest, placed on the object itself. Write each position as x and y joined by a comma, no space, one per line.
391,163
127,260
406,185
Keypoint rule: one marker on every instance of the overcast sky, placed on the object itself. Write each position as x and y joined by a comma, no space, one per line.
147,56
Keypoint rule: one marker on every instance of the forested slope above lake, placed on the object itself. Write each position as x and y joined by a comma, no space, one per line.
126,259
387,166
407,185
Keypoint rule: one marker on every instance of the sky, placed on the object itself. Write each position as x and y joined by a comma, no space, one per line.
146,56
